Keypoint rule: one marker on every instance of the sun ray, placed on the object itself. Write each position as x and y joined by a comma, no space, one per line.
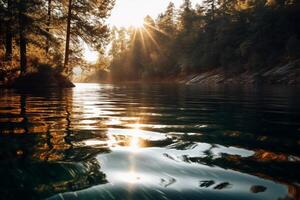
134,36
159,30
152,39
143,39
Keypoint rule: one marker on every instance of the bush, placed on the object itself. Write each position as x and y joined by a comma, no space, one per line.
43,76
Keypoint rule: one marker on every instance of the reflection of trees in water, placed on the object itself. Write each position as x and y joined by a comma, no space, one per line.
35,180
276,154
70,176
42,160
24,121
211,183
48,125
269,161
282,145
259,164
49,158
167,182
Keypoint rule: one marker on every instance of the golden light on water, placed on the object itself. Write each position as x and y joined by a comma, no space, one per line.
113,122
131,177
134,143
118,140
135,126
120,131
93,142
111,142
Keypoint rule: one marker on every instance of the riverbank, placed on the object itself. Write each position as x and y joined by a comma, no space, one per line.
285,74
40,79
36,80
288,74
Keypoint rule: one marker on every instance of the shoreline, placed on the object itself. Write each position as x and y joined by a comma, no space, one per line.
284,75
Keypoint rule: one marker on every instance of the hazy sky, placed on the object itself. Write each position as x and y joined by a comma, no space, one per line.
132,12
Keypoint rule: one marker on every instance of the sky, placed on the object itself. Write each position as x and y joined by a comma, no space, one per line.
128,13
132,12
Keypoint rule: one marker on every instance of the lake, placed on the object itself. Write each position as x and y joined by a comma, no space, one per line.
160,141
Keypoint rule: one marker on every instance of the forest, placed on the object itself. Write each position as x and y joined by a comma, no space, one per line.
43,37
232,36
150,99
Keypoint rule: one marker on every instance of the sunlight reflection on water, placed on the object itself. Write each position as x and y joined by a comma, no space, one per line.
156,142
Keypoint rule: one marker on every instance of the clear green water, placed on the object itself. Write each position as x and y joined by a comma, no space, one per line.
150,142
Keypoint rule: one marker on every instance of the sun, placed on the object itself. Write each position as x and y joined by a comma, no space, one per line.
129,13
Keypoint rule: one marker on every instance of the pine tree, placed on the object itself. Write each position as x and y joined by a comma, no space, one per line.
88,24
211,8
166,20
8,31
186,14
22,10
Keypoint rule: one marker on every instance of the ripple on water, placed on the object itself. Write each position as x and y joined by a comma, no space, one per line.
102,141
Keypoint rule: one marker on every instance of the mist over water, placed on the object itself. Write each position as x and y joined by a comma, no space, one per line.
102,141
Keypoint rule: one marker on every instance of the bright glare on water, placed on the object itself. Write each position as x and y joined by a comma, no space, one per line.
100,141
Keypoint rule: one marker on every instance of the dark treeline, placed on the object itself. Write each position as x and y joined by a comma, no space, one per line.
39,34
232,35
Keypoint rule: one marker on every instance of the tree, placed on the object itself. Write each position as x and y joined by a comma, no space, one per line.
68,32
186,14
9,31
86,22
22,9
31,28
166,20
118,41
48,26
231,35
211,8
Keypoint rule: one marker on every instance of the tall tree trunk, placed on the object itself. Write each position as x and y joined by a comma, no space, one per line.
48,26
8,34
213,10
67,49
8,44
22,35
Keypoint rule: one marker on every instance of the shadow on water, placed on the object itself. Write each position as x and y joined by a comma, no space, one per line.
150,142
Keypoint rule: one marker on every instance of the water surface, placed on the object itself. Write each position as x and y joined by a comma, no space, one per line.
100,141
